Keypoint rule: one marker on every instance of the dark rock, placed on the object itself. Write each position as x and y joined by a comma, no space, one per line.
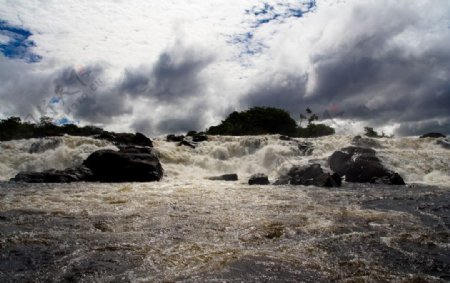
361,165
44,145
285,138
433,135
77,174
306,148
226,177
365,142
259,179
174,138
186,143
199,138
445,143
119,139
310,175
130,164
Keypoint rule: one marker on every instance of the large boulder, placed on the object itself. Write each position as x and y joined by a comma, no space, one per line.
259,179
76,174
310,175
433,135
129,164
361,165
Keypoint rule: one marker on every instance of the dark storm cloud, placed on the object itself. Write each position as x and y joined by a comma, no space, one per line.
370,78
175,75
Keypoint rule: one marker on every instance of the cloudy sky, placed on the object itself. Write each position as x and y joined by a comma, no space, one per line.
172,66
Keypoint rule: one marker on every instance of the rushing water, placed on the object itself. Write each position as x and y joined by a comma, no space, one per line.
189,229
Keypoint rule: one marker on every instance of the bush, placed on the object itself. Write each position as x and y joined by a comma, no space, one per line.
315,130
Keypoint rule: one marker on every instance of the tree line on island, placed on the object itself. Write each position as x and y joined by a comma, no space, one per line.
253,121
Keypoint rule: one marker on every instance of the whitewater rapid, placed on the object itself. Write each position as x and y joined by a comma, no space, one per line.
416,160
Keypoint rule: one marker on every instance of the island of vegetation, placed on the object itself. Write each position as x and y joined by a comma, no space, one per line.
269,120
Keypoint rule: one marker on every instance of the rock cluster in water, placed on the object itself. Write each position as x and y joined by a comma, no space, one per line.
132,163
361,165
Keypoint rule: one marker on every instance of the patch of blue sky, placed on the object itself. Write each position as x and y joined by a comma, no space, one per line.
65,121
15,43
264,14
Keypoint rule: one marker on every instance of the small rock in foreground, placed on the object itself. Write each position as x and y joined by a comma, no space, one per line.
259,179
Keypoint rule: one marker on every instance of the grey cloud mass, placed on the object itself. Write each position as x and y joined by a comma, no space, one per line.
377,62
372,75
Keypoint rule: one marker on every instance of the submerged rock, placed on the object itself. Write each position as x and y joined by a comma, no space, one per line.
174,138
445,143
225,177
310,175
129,164
259,179
186,143
76,174
359,141
433,135
199,138
44,145
306,148
361,165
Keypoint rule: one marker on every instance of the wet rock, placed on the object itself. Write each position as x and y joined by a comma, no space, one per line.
77,174
259,179
285,138
174,138
306,148
433,135
310,175
361,165
129,164
186,143
44,145
359,141
199,138
445,143
121,139
225,177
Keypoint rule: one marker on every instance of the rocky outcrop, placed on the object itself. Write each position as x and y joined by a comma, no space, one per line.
121,139
129,164
226,177
433,135
77,174
259,179
361,165
310,175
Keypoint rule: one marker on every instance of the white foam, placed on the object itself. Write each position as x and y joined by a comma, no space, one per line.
416,160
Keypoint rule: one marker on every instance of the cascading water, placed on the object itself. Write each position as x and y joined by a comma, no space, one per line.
417,160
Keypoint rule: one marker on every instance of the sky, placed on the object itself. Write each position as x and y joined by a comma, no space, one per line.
161,67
